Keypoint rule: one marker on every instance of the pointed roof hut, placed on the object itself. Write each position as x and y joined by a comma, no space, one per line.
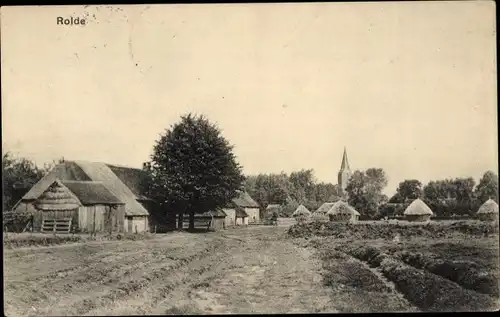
418,211
57,197
301,211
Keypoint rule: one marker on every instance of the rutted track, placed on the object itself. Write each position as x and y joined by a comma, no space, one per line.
236,271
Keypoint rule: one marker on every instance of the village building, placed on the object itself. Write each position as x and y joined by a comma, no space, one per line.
342,212
100,197
242,210
418,211
488,211
211,220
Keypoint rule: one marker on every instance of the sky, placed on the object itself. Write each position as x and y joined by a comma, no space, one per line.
409,87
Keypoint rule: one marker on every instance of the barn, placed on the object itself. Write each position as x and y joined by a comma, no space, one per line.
418,211
343,212
99,199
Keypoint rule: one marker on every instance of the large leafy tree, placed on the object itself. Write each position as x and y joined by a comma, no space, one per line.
18,176
408,190
450,196
364,191
487,187
193,168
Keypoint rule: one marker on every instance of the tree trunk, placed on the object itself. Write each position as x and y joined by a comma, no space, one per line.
191,220
180,221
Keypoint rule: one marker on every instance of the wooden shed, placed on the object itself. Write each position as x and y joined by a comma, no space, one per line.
105,203
320,213
212,220
418,211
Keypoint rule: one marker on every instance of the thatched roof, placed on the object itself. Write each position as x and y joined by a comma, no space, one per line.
323,209
218,213
301,211
134,178
244,200
57,197
489,207
342,208
271,207
418,207
240,212
90,171
91,193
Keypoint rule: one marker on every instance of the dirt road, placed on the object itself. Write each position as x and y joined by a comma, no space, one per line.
250,270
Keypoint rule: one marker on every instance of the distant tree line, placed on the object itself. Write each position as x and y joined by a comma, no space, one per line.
447,197
290,190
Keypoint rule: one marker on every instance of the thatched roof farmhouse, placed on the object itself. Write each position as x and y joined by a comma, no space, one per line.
418,211
102,197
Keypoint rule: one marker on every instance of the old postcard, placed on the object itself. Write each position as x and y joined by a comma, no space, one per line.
250,158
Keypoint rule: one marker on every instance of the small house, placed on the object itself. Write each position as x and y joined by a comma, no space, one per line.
418,211
90,194
241,217
242,210
342,212
488,211
251,207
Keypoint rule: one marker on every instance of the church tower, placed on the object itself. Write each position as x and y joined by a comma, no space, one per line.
344,173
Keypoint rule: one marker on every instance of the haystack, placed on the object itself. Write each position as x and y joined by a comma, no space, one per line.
301,211
488,211
342,211
57,198
418,211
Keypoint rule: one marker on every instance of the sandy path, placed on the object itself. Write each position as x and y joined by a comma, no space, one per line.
252,270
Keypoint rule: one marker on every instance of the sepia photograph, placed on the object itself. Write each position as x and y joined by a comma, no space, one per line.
249,158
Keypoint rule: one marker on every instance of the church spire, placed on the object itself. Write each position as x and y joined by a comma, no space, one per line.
344,173
345,162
